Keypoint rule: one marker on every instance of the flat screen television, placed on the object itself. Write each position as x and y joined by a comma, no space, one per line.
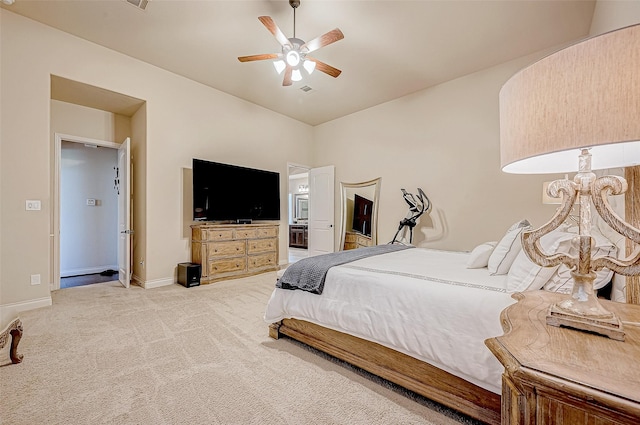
223,192
362,215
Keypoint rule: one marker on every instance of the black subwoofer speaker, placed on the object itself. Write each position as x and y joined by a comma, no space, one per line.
188,274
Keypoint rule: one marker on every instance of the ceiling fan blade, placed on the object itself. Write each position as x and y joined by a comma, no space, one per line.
287,76
273,29
324,40
323,67
258,57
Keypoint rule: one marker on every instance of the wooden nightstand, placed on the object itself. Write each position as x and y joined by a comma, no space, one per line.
556,375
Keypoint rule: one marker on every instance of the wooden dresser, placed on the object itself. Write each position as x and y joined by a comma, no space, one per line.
353,240
557,375
227,251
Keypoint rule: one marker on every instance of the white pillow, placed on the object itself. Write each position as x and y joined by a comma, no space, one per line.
507,249
479,257
525,275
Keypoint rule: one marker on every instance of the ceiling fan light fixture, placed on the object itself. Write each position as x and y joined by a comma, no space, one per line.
309,65
293,57
294,51
279,65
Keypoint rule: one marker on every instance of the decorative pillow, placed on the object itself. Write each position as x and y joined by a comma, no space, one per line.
479,257
525,275
507,249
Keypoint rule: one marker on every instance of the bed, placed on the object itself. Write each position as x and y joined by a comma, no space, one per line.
419,317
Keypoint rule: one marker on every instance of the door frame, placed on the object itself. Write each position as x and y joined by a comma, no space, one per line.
55,208
291,165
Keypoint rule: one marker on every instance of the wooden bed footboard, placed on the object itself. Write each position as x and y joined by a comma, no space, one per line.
399,368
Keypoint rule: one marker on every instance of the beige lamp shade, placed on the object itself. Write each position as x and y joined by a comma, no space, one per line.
584,96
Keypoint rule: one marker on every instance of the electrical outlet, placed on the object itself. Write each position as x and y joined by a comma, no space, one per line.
35,279
32,205
91,202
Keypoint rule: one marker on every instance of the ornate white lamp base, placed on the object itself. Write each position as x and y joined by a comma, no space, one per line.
583,311
607,326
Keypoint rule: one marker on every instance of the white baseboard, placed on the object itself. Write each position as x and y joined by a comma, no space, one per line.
150,284
87,270
8,312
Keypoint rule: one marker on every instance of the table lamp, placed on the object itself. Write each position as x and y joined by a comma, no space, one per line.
578,110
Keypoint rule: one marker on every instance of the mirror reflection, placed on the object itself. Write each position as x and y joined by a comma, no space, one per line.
359,217
301,207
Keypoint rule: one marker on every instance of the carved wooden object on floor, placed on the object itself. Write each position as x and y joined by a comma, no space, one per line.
555,375
14,329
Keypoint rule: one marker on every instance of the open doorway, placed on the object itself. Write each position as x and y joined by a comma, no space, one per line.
298,216
87,202
85,114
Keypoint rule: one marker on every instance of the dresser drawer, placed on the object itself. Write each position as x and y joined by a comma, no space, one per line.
225,249
263,260
245,233
219,235
262,245
270,232
363,241
228,265
350,237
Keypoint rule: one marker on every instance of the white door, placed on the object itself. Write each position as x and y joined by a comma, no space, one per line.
321,210
123,185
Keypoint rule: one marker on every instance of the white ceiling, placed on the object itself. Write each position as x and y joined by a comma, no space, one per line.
390,49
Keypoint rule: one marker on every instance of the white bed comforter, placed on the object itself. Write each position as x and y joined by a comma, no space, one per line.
422,302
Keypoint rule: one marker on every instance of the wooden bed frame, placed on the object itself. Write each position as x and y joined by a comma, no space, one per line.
399,368
406,371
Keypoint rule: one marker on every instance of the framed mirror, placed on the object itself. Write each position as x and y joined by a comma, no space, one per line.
301,207
359,214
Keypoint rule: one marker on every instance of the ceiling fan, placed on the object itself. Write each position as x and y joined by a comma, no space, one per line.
295,52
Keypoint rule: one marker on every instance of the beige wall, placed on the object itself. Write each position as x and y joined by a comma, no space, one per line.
138,189
612,14
76,120
444,140
184,119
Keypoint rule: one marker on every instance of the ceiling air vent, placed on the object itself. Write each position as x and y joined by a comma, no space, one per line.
140,4
306,88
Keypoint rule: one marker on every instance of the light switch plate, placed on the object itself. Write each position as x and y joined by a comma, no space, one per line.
32,205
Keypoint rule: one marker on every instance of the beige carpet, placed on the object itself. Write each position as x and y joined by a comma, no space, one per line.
103,354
